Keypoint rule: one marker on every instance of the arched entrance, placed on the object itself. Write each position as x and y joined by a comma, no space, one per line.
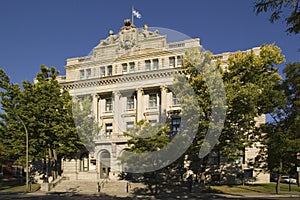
104,164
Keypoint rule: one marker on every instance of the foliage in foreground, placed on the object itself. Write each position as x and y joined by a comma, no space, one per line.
45,112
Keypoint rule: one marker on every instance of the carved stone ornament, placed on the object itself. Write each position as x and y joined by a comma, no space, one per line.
128,35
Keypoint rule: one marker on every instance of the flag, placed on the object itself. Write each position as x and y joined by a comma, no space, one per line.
136,14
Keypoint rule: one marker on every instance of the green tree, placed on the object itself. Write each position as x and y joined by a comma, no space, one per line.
282,133
280,8
85,122
146,138
46,111
11,134
250,81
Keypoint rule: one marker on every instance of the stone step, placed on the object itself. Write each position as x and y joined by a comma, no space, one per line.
77,186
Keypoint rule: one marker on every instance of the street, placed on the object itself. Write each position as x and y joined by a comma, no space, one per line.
72,196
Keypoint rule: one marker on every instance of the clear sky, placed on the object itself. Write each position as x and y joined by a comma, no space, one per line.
35,32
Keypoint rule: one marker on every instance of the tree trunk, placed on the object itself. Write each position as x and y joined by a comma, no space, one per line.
279,177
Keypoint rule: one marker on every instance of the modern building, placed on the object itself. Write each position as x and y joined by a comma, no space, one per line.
129,76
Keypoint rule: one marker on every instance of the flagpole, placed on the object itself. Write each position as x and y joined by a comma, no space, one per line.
132,15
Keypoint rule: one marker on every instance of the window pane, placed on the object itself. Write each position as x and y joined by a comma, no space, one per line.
88,73
175,100
153,122
152,101
130,102
124,68
175,124
179,61
172,61
147,65
132,67
82,74
102,71
108,105
108,128
155,64
109,70
129,125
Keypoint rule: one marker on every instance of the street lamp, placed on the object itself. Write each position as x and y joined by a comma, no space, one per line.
27,163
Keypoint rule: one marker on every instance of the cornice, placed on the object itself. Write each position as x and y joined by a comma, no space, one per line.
139,76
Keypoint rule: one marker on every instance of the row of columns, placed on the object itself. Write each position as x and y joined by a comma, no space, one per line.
140,107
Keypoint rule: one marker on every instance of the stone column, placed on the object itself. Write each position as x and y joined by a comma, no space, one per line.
140,106
163,106
95,106
116,110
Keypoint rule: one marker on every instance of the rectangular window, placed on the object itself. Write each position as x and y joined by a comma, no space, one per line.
175,100
88,73
102,71
108,128
172,62
132,67
109,70
129,125
81,74
124,68
179,61
130,103
155,64
147,65
84,164
108,104
175,124
153,122
152,101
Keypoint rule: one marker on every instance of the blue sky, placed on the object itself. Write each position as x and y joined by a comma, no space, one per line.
35,32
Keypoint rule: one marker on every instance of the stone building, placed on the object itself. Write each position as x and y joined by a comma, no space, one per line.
129,76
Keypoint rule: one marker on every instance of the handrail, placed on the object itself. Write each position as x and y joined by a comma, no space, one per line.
101,185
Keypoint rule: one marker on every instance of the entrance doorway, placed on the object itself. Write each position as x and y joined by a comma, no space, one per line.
104,164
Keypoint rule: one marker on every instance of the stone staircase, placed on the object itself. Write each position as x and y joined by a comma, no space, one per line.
109,187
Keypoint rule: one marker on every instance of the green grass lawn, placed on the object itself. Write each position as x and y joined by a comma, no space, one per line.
18,188
268,188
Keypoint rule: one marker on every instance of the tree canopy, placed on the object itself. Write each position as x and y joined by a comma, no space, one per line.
290,9
46,111
282,137
249,79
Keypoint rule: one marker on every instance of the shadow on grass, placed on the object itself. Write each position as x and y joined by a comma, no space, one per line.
19,188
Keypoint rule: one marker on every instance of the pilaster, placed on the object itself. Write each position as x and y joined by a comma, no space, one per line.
140,106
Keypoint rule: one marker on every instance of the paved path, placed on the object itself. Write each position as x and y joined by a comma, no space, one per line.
81,189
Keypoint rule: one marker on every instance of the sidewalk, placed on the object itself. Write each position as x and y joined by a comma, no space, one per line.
118,189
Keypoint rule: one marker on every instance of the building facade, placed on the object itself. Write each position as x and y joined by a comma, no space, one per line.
129,76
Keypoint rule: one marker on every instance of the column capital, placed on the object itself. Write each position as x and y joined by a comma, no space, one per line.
140,90
163,87
96,95
117,93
